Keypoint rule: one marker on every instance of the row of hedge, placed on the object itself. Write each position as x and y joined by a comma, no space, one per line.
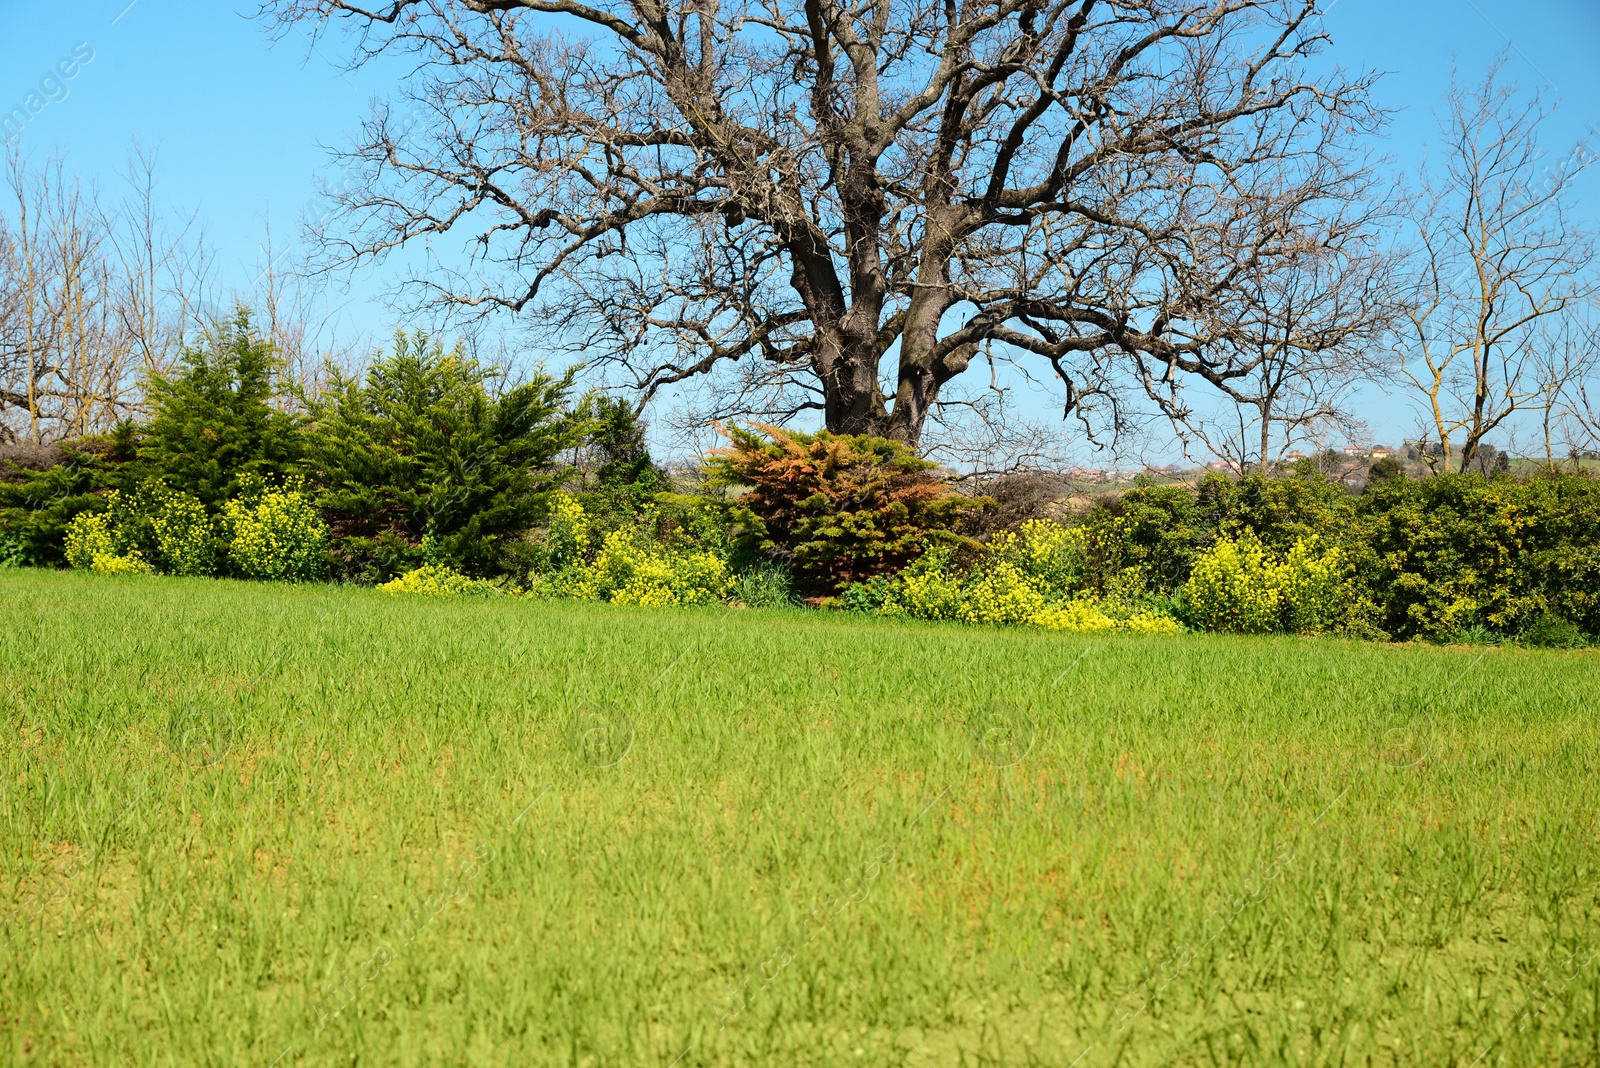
861,524
428,474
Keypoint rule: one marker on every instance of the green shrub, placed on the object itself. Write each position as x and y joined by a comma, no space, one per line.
13,550
1454,551
36,506
1147,539
277,535
214,424
764,586
1553,632
420,448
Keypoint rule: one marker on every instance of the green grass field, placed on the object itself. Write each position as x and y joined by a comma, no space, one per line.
256,825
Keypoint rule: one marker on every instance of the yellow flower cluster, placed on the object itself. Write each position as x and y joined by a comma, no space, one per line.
1026,577
629,567
435,580
568,534
1237,586
630,570
121,565
182,530
91,545
279,535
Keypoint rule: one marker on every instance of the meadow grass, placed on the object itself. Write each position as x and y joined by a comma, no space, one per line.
256,825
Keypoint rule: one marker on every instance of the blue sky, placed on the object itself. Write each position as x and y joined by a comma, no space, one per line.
241,124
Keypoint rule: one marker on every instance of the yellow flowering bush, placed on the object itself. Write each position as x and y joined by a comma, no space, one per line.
120,565
1028,577
91,545
567,539
277,535
1237,586
436,580
1230,588
631,570
629,567
1312,587
1150,623
88,537
929,593
183,531
1000,594
1077,616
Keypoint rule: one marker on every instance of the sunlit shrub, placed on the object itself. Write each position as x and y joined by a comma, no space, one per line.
632,566
567,537
120,565
89,536
1229,588
841,507
1312,588
278,535
92,546
999,594
96,541
631,570
1076,616
1236,586
437,580
185,541
1029,577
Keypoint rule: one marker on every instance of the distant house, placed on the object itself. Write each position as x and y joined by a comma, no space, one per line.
1294,454
1381,452
1355,450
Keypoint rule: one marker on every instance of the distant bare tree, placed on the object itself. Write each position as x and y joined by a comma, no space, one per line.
836,206
1575,369
1306,341
1500,260
93,299
163,271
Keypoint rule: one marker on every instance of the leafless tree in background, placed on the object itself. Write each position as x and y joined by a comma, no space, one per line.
93,299
1305,340
1501,260
89,300
63,362
164,272
836,205
1574,370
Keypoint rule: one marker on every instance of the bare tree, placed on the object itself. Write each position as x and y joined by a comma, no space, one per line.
1500,261
1305,340
163,269
1573,367
68,370
93,299
852,200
